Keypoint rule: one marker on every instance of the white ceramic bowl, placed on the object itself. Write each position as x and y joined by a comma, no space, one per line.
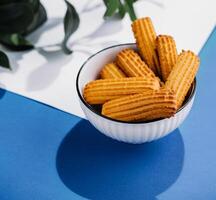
131,132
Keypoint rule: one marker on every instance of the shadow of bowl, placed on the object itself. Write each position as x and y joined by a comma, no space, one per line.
97,167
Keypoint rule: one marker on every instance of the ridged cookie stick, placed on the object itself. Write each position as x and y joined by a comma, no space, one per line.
100,91
145,36
167,53
182,75
111,70
132,65
146,106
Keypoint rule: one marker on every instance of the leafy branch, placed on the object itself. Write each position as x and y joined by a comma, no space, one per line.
120,7
18,18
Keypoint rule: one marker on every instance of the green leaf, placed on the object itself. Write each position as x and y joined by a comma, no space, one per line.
71,23
121,10
15,17
35,4
111,7
4,61
40,17
10,1
130,9
15,42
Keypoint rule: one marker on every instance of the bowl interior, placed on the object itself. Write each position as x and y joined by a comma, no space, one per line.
92,67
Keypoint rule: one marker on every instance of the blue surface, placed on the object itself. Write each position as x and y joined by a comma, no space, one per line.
46,154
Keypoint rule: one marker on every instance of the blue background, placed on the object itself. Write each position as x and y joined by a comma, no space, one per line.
46,154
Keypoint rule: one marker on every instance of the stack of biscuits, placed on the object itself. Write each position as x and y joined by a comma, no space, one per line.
147,84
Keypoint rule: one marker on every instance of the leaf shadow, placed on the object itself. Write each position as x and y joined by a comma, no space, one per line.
158,3
49,24
16,56
88,7
109,27
44,75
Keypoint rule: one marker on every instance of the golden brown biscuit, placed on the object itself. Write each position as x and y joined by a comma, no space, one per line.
145,106
145,36
132,65
182,75
100,91
111,70
167,53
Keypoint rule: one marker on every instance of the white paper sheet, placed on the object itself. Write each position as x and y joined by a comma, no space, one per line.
48,76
